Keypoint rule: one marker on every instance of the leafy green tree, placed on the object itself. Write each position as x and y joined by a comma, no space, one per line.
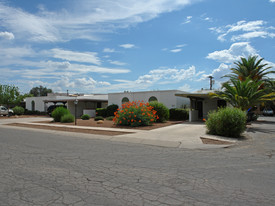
9,95
40,91
251,68
244,94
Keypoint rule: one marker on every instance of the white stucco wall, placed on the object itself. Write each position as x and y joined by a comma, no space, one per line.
166,97
39,104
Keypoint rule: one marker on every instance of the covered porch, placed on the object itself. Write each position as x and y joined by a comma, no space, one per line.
201,103
79,105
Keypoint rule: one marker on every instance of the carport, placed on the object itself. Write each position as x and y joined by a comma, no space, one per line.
201,103
86,104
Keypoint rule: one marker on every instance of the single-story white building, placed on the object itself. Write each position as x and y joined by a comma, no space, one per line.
201,103
167,97
86,104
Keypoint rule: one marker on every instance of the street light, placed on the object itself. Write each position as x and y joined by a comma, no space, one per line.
75,104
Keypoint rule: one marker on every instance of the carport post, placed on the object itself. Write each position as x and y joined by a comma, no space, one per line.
75,105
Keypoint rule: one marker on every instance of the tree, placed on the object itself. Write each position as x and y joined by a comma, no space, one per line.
40,91
251,68
244,94
9,95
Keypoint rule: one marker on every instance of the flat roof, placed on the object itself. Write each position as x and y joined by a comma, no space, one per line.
97,98
126,92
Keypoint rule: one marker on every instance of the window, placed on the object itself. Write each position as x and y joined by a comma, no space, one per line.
124,100
152,99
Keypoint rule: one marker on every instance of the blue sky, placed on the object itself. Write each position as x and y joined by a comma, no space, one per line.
101,46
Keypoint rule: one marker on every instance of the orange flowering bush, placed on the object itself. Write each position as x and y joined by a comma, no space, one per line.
135,114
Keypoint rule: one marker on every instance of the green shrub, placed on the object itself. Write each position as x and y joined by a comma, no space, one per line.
110,118
18,110
29,112
102,112
111,109
162,111
59,112
99,118
179,114
85,117
67,118
228,122
135,114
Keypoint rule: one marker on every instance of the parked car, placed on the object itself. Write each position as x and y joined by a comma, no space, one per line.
52,107
4,111
268,112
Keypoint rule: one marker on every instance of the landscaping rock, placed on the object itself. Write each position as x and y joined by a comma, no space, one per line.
100,122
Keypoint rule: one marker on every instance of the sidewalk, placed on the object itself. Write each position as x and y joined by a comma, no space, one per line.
185,135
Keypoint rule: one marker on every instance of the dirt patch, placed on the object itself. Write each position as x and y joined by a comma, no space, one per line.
214,141
65,129
109,124
21,116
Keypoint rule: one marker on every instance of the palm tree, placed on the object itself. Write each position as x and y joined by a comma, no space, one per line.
244,94
250,68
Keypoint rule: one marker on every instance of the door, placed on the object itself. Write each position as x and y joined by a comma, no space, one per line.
200,109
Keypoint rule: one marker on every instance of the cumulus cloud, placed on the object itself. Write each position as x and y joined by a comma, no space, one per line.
272,1
88,57
217,73
167,75
243,30
236,50
6,35
127,46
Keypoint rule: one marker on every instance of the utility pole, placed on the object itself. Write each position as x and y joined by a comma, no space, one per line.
211,81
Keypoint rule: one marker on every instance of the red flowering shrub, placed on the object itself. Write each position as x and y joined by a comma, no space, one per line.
135,114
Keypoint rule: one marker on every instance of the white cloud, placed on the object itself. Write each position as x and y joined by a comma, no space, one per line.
272,1
187,20
217,73
185,87
236,50
118,63
83,19
175,50
127,46
6,35
243,30
253,34
180,45
88,57
108,50
168,75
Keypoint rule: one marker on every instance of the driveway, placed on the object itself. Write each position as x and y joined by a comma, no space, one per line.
53,168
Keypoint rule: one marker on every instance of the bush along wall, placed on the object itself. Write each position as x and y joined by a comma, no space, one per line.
162,111
179,114
228,122
111,109
101,112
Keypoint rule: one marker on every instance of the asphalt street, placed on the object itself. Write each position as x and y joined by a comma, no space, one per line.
58,168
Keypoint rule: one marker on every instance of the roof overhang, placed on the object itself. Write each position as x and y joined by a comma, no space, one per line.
197,95
79,98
